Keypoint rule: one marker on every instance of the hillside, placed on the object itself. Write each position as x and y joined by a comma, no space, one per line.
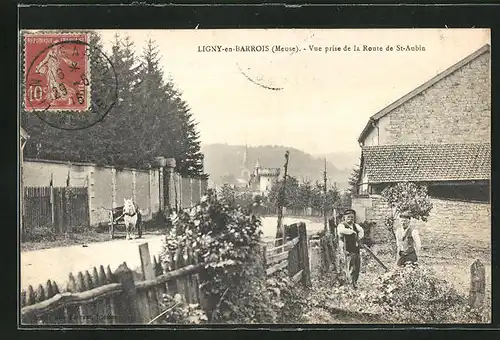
224,163
343,160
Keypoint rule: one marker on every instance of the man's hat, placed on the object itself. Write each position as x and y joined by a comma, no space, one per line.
349,211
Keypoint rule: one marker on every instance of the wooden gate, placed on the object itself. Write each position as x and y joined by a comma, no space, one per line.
37,208
59,208
71,208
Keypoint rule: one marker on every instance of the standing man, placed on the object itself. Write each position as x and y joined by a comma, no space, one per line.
407,241
350,235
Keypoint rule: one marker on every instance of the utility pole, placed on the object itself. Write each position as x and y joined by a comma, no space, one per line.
280,225
331,246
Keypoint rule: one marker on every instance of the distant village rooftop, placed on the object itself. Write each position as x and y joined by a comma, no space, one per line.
269,172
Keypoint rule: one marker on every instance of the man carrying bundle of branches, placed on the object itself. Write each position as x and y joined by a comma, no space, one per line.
350,235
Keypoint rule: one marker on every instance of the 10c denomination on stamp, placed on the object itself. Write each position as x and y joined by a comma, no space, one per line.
57,72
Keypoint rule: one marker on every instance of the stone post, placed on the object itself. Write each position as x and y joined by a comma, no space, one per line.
161,164
477,284
170,183
304,255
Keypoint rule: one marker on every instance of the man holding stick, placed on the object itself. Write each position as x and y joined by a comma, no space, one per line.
350,235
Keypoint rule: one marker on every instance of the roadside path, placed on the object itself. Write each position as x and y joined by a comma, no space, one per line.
38,266
56,263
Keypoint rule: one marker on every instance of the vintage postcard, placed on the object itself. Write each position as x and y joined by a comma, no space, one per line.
264,176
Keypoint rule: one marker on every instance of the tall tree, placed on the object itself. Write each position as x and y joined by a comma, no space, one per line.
72,145
148,109
149,118
354,179
291,192
189,153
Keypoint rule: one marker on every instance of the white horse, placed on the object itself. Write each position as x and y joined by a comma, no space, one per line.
129,216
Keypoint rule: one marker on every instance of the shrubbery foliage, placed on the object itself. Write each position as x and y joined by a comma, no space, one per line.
233,280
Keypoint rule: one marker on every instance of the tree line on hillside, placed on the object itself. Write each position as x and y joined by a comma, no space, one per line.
149,118
225,163
297,195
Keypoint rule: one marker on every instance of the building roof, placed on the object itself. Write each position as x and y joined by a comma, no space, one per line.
269,172
420,89
426,163
257,163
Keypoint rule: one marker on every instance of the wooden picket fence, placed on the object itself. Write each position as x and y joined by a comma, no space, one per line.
121,297
57,208
292,255
125,297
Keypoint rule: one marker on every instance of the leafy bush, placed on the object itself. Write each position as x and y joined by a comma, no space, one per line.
159,221
38,234
368,227
411,197
227,240
406,196
288,299
80,229
413,294
180,312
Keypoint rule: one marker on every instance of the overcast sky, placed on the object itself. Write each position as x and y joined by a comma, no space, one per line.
325,98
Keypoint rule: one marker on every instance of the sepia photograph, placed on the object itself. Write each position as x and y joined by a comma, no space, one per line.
254,176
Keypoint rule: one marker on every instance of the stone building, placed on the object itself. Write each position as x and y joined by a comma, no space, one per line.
260,180
263,179
437,135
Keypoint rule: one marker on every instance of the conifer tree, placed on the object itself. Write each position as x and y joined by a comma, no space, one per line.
148,119
73,145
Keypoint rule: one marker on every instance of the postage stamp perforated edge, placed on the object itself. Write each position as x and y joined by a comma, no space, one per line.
24,34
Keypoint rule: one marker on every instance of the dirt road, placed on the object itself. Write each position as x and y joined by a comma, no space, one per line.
56,263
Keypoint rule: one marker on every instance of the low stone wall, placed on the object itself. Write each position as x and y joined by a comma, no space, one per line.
470,219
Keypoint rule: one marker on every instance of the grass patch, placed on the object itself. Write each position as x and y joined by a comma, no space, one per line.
85,237
45,238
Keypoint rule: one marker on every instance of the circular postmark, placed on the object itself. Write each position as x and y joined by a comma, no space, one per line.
69,83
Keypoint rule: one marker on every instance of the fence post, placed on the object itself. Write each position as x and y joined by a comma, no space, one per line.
134,185
325,254
146,265
113,187
191,193
304,255
477,284
264,256
52,202
130,309
91,194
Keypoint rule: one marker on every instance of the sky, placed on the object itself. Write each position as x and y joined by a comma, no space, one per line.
325,97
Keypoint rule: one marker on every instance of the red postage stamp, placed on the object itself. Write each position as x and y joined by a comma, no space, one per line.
57,72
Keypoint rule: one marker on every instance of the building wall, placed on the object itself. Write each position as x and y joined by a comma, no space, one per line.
154,179
467,218
124,189
102,195
143,192
196,190
457,109
378,135
266,183
38,174
108,187
186,192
